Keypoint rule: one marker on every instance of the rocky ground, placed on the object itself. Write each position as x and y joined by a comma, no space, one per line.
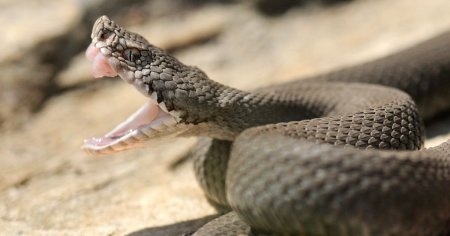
49,103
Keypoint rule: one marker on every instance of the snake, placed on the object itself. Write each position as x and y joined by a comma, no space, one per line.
334,154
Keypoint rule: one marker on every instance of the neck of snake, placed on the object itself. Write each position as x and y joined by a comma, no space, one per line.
219,111
238,110
223,112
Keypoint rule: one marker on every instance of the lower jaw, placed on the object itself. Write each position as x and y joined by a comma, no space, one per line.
139,138
148,121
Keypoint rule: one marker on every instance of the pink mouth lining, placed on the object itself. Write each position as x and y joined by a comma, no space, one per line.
100,65
142,117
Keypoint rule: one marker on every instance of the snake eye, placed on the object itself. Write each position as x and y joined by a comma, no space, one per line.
131,54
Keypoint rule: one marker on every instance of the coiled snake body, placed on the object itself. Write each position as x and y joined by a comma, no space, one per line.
337,154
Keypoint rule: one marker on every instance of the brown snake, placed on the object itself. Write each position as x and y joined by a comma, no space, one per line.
337,154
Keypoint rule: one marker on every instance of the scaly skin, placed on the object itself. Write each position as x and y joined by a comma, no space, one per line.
317,156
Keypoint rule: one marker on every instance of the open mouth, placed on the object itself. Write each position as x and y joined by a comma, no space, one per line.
151,120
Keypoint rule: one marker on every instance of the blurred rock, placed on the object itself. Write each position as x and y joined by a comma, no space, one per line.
28,27
27,23
278,7
23,89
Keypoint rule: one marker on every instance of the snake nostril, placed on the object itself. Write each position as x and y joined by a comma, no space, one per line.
102,36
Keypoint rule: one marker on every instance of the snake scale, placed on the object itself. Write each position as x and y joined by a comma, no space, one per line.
335,154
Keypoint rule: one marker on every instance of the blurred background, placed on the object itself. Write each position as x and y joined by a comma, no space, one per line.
49,102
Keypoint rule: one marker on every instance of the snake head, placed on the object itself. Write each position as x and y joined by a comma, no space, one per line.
171,109
115,51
